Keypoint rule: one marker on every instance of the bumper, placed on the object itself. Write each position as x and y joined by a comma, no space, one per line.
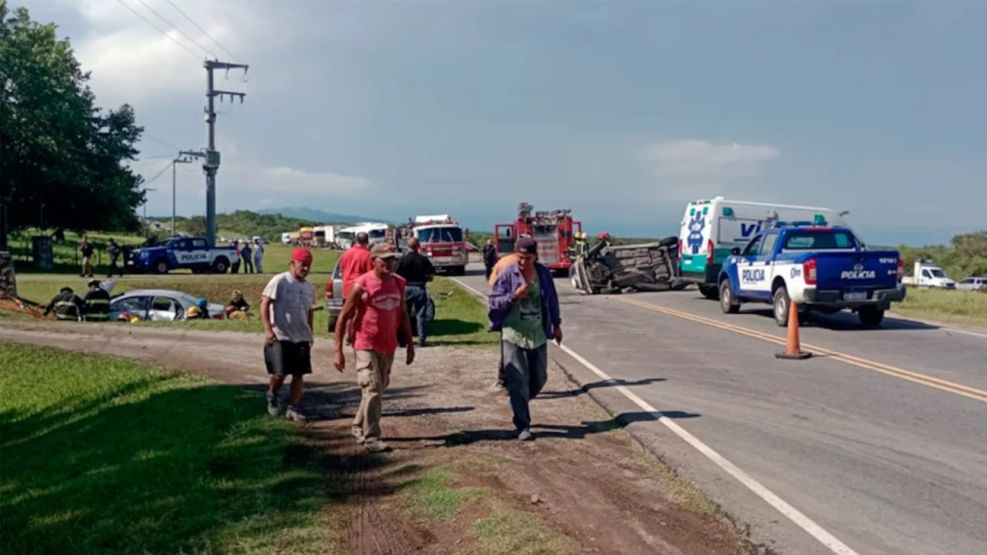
880,297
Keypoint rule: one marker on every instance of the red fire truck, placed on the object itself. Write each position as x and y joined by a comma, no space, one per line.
553,230
442,241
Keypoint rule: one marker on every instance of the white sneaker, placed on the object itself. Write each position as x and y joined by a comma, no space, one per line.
374,445
294,414
357,432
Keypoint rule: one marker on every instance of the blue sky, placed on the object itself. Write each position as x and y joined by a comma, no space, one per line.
621,111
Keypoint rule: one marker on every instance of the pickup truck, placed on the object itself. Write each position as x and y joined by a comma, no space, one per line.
192,253
823,269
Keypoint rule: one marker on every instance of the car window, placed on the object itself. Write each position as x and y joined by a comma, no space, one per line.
164,309
938,273
134,306
337,271
753,247
968,280
769,243
818,240
163,303
199,244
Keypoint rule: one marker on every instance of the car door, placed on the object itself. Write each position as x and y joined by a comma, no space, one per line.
130,307
752,270
164,309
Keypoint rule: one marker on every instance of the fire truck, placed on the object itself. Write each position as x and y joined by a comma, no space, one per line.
553,230
442,242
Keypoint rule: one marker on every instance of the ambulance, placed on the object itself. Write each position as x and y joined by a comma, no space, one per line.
711,228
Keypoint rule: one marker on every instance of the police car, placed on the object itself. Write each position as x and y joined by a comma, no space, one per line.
825,269
191,253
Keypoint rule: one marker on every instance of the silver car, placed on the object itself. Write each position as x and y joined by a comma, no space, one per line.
973,284
157,305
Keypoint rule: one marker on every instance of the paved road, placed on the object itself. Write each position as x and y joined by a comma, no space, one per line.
881,442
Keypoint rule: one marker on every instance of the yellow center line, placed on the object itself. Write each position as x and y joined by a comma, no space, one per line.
915,377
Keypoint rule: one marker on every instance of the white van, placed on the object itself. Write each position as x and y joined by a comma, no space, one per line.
711,228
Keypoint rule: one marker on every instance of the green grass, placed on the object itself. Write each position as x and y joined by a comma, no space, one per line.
107,455
965,307
431,497
511,531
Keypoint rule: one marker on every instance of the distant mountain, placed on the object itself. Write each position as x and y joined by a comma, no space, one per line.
314,215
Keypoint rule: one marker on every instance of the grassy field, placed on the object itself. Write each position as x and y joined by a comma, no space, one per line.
963,307
106,455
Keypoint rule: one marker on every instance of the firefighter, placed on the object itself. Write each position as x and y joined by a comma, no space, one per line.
67,305
97,303
580,244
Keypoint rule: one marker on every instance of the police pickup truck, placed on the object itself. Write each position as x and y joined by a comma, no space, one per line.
823,269
192,253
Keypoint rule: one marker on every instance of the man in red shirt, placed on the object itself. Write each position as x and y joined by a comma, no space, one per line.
355,262
376,303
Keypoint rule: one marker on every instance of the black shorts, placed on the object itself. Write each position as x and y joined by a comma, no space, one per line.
285,358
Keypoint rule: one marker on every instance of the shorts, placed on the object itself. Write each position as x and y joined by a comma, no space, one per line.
285,358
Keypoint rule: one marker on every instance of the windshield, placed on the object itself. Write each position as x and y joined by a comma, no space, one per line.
936,272
449,234
803,240
377,233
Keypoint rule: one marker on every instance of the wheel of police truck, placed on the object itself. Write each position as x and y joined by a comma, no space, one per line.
161,266
870,316
728,304
220,265
782,302
709,291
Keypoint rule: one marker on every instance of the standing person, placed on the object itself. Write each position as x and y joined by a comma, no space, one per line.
356,261
66,304
376,303
86,250
235,266
489,256
115,251
286,309
259,256
97,303
417,271
524,306
248,260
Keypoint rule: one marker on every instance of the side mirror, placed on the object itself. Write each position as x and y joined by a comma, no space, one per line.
735,251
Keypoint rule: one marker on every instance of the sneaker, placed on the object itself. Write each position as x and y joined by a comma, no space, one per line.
293,413
272,405
525,435
357,432
375,445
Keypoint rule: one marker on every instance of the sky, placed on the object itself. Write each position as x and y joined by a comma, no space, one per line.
621,111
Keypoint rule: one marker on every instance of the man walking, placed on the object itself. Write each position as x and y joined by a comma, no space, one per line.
247,255
66,304
97,303
355,262
417,271
86,250
524,306
115,251
286,309
235,265
259,256
489,256
376,303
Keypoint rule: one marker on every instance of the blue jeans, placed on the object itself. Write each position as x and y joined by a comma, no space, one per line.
525,373
416,299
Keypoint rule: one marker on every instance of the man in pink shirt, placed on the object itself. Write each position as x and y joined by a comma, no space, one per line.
376,304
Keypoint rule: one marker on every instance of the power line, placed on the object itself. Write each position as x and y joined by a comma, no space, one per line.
163,32
159,141
157,175
197,26
175,27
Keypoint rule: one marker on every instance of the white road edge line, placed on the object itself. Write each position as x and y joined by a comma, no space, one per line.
954,330
782,506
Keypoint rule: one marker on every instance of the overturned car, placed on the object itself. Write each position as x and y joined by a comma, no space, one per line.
606,268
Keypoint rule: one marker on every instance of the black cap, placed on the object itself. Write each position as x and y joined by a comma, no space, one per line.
66,290
526,245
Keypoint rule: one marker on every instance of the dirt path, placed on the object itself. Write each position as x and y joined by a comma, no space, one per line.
590,482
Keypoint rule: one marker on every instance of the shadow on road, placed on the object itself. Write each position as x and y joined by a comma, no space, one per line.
596,385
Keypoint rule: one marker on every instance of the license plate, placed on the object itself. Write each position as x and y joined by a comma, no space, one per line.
855,296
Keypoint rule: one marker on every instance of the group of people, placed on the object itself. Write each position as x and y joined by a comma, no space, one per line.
94,307
383,295
116,252
252,258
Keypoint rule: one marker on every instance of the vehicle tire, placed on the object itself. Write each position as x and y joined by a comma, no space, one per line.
331,327
220,265
709,291
870,316
161,266
782,304
728,304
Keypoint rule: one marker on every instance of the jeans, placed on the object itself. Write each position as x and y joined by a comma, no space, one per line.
416,299
525,371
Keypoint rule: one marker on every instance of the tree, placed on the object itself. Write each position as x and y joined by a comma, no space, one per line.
61,157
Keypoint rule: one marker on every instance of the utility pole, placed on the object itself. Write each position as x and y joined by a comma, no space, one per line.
184,157
146,190
211,165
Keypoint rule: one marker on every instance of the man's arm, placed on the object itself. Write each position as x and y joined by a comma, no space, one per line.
429,270
351,305
265,311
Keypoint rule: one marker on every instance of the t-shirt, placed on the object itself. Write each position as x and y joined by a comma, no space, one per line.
355,262
377,323
414,267
523,325
293,299
86,249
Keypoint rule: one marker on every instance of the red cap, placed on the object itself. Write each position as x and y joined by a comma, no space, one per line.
301,255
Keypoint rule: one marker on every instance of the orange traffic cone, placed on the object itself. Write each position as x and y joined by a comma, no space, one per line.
793,348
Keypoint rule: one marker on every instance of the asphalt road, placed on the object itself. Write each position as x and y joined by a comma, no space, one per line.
880,440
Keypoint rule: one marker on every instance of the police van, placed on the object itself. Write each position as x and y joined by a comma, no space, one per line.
712,228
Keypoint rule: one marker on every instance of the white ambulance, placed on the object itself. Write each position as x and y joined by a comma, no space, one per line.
711,228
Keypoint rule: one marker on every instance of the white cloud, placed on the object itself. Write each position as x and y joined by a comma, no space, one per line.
693,158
